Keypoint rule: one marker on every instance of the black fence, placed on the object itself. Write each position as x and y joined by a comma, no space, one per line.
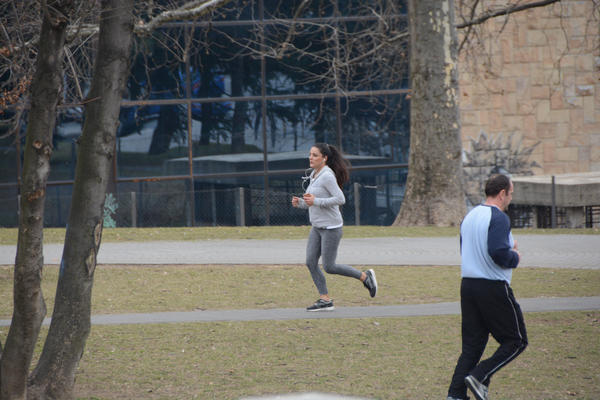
239,206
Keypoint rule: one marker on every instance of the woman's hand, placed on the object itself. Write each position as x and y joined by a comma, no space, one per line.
295,201
309,199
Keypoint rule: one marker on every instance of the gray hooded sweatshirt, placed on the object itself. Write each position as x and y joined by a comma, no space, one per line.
325,212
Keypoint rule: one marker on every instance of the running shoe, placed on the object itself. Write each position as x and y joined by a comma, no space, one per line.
371,282
479,389
321,305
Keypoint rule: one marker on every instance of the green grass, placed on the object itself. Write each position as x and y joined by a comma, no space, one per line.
126,289
379,358
8,236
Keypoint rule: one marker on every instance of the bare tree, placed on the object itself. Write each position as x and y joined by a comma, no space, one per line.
54,375
434,193
29,307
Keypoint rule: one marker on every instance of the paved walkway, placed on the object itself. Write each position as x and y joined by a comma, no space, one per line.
556,251
561,251
281,314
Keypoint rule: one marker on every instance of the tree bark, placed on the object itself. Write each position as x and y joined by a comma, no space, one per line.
434,194
54,375
29,307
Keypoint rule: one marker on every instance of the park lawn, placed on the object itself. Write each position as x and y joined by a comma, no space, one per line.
379,358
151,288
8,236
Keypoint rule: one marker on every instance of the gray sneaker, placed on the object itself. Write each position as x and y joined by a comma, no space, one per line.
455,398
371,282
479,389
321,305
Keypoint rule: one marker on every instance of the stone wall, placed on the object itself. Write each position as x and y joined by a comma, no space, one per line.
535,76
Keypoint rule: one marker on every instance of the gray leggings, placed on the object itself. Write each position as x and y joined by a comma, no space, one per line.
325,242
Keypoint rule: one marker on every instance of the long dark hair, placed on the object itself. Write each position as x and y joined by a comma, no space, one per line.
336,161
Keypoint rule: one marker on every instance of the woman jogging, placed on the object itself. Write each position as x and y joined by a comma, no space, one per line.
323,198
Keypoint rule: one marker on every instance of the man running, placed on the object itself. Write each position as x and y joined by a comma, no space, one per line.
489,255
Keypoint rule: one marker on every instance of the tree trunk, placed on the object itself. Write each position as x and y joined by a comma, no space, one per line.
166,128
54,375
29,307
434,194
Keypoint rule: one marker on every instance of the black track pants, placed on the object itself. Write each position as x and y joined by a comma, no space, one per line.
487,307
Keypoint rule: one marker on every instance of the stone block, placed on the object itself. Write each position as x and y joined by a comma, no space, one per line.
514,70
540,92
578,140
546,130
525,107
507,50
527,55
576,26
584,156
470,118
568,61
584,63
549,152
529,126
513,123
497,101
589,112
557,39
567,154
542,111
560,115
595,154
556,100
563,131
576,119
494,120
536,38
510,103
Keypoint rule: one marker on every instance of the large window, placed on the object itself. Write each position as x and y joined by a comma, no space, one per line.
218,117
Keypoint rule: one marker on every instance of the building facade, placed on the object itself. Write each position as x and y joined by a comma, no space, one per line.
535,79
219,117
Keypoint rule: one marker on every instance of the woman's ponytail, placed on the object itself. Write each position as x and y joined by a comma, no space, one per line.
336,161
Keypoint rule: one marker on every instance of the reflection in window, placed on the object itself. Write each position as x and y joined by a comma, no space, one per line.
295,125
148,137
157,71
227,137
69,125
376,126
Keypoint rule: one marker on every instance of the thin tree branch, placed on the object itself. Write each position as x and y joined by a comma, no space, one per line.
193,9
505,11
470,27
